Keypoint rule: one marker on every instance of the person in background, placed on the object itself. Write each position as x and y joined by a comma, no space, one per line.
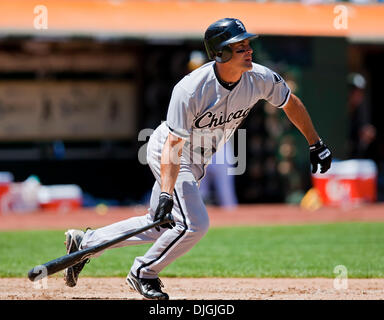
218,185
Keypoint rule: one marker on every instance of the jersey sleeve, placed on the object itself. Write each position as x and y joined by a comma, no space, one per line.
276,91
180,113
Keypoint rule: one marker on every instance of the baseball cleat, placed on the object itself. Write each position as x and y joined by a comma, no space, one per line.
72,242
149,288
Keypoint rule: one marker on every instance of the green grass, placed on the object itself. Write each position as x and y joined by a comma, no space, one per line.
273,251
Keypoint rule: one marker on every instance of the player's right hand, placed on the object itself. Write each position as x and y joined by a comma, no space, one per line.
320,155
165,206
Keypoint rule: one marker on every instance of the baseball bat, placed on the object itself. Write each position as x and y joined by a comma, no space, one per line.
71,259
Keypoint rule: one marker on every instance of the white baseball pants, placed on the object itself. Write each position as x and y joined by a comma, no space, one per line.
189,213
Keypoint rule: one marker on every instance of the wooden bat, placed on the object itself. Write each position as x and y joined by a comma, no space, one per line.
71,259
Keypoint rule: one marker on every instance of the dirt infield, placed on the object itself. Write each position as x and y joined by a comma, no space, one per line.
197,288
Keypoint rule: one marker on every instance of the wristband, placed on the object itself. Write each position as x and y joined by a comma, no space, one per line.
166,194
317,145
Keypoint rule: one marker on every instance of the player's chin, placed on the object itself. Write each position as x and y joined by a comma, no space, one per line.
247,65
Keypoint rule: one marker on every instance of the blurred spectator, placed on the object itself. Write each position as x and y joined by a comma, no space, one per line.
361,132
218,186
196,59
365,148
364,142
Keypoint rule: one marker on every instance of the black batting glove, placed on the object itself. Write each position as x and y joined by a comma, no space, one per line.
165,206
320,155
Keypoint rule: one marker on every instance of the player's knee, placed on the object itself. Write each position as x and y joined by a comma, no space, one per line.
205,225
200,228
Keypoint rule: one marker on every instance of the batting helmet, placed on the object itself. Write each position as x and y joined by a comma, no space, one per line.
220,34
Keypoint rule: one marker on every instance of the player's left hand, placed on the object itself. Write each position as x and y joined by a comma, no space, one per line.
320,155
165,206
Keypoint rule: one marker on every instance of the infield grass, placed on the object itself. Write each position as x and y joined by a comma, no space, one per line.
264,251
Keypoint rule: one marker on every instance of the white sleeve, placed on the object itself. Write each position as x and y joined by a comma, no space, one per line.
180,113
276,91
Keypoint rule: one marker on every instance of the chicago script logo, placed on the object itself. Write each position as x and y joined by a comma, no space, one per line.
210,119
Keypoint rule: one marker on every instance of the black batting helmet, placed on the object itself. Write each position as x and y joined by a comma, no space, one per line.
220,34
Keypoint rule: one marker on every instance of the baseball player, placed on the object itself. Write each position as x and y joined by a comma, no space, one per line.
206,107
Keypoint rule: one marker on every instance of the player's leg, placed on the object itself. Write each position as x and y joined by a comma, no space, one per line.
192,223
190,217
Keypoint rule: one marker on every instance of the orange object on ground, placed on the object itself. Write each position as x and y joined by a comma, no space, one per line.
348,182
62,204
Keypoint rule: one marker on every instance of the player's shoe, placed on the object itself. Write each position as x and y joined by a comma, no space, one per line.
149,288
72,242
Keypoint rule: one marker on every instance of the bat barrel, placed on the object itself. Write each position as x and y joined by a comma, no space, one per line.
53,266
35,273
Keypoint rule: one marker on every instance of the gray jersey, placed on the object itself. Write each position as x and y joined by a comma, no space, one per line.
206,114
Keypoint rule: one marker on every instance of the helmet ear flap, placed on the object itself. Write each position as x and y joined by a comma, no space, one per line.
208,49
224,55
